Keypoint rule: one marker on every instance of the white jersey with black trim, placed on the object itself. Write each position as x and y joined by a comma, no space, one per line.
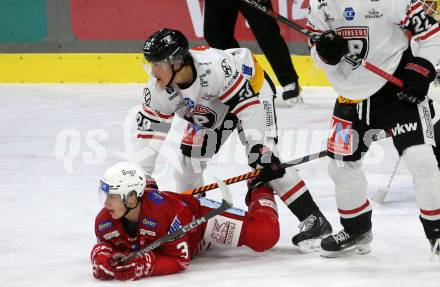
378,31
222,86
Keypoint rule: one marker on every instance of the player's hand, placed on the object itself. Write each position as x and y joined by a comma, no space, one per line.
101,257
141,266
261,157
416,77
331,47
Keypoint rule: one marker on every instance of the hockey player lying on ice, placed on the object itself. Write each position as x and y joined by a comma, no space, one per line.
135,215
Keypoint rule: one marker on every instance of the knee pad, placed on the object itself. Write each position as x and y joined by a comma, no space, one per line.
422,164
350,188
189,173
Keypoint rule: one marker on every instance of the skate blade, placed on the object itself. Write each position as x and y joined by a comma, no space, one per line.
354,250
311,245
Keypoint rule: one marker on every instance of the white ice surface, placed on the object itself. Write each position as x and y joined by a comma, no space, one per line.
48,206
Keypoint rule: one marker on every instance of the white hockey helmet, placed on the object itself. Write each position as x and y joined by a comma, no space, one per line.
432,7
123,178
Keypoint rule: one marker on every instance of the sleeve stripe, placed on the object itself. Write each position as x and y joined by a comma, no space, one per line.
355,210
244,105
409,12
430,212
414,7
310,29
427,34
150,136
155,113
229,93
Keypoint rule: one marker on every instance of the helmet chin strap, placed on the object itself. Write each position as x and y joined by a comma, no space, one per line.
174,74
128,209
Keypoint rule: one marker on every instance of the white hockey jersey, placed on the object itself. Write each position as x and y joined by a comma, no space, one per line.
226,82
377,31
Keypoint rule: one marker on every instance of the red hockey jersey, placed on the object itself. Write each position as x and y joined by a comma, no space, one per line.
161,213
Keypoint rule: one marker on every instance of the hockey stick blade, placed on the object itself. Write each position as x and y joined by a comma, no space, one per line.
380,195
225,205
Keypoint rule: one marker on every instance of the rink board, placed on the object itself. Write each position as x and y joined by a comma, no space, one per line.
112,68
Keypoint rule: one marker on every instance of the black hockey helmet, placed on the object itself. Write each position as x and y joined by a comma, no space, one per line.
166,44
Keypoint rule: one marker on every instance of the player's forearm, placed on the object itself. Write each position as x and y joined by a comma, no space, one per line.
169,265
146,153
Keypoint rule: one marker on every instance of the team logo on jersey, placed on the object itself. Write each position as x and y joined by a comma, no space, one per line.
147,96
358,42
349,14
201,116
340,139
226,68
175,225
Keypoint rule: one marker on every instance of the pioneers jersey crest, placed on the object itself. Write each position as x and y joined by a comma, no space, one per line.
358,41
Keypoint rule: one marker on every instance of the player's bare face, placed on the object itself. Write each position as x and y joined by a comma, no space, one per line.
114,205
162,71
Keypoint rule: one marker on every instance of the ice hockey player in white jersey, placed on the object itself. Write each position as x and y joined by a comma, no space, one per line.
377,31
216,92
432,8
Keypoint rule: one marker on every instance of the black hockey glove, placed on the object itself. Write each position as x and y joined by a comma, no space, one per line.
416,77
331,47
261,157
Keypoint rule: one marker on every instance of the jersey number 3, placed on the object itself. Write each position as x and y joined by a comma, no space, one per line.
183,247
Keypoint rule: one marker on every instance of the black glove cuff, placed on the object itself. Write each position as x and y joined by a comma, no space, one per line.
422,67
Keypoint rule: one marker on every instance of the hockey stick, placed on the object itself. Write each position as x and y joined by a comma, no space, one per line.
380,195
226,204
255,173
315,36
